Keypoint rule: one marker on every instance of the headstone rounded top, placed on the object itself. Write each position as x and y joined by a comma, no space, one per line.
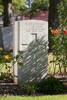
33,21
33,26
31,29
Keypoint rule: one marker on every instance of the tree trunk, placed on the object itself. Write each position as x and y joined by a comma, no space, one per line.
7,12
53,18
64,69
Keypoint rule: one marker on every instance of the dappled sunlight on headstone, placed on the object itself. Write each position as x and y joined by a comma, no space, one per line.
31,37
35,59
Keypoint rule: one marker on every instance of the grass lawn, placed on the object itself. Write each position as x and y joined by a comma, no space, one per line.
57,97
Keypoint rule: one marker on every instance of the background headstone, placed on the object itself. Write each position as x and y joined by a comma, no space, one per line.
7,38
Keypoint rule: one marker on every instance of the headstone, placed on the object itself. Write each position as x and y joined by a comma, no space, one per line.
31,37
7,38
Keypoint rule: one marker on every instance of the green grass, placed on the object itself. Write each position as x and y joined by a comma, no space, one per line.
57,97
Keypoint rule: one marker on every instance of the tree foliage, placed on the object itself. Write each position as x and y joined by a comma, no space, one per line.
8,7
63,12
40,5
18,6
28,7
1,7
36,6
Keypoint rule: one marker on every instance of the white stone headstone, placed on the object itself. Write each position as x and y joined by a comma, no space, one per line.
31,37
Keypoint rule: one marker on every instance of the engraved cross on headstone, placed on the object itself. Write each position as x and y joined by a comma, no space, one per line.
36,39
35,34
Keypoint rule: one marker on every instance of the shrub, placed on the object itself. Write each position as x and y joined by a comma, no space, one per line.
59,47
6,63
6,77
30,88
7,60
51,86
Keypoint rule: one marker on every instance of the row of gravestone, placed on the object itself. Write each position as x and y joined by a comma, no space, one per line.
31,37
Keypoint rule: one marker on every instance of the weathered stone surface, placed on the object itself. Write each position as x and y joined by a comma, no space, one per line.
7,37
31,37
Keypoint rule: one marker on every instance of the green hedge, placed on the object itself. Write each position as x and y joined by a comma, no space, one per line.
46,86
